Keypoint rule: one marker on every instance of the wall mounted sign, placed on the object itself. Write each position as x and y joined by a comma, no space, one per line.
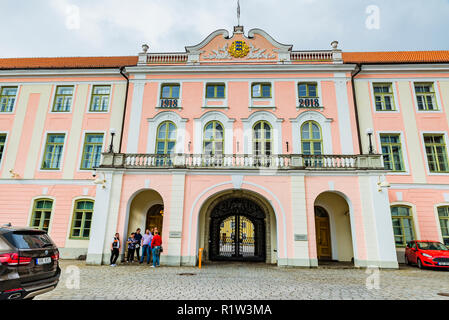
175,234
238,49
300,237
309,103
169,103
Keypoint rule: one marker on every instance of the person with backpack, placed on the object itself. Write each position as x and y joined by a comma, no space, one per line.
115,249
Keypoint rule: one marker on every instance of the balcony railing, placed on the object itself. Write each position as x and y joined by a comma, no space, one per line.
242,161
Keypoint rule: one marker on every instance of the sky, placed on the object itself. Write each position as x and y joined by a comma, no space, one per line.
55,28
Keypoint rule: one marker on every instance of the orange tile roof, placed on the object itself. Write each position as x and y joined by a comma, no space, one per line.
396,57
67,62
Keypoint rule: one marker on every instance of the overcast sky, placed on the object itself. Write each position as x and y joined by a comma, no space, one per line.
52,28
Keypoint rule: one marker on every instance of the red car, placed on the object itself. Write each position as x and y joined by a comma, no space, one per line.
427,254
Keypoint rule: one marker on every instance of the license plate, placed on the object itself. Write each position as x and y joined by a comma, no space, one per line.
46,260
443,264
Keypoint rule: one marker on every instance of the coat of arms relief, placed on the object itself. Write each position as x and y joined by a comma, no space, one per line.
238,49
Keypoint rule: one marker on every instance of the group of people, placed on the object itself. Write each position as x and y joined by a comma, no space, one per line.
150,242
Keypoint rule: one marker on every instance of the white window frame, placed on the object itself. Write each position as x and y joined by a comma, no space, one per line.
276,125
53,95
326,130
201,122
178,82
91,88
206,101
404,150
80,156
395,97
19,87
43,145
182,134
437,96
423,145
320,95
271,101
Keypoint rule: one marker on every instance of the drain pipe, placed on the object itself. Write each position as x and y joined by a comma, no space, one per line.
358,69
124,108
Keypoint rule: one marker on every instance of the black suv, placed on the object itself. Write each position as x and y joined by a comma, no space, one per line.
28,263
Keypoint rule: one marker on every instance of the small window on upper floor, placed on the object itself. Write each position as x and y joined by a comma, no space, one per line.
436,153
100,98
63,99
308,95
7,98
383,97
169,96
425,96
261,90
215,91
170,91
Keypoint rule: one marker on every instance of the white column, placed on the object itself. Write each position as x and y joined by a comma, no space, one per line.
136,116
104,219
299,223
173,248
344,116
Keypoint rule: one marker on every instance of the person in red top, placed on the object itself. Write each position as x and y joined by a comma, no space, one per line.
156,248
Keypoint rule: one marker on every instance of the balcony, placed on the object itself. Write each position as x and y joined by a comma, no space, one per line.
243,161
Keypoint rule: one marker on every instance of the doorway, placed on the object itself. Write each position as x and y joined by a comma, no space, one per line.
155,215
323,234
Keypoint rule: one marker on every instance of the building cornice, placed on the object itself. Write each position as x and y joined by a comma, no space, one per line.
247,68
405,68
59,72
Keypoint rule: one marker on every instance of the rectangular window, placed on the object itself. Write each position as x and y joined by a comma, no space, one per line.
215,91
2,145
170,91
443,215
82,219
100,98
261,90
7,98
307,90
425,96
392,152
41,214
53,152
403,227
383,97
436,153
63,99
93,145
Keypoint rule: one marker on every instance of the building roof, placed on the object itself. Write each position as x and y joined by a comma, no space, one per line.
396,57
385,57
68,62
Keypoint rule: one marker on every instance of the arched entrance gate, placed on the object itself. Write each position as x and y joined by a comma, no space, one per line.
237,231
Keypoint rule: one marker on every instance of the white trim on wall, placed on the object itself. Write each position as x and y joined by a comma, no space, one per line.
403,150
200,123
181,134
4,147
248,124
446,139
325,124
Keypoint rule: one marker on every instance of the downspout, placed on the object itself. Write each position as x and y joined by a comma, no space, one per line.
124,109
353,75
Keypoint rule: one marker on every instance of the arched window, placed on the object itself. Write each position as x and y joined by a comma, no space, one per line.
213,138
82,219
41,216
166,138
443,215
403,226
262,138
311,138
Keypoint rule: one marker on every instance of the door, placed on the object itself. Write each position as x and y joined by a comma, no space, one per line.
237,231
154,218
323,239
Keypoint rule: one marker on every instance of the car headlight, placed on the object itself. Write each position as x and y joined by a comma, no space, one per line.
427,255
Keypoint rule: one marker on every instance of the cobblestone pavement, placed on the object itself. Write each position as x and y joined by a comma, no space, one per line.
245,281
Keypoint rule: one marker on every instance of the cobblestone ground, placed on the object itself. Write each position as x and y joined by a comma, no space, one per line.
245,281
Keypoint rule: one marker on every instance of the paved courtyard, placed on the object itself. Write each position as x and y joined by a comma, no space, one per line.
245,281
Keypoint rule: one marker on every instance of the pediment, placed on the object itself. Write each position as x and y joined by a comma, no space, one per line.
219,47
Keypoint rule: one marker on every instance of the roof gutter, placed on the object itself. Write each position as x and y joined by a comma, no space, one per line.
358,69
124,108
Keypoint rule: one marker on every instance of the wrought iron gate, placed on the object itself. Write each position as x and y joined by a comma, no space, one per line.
237,231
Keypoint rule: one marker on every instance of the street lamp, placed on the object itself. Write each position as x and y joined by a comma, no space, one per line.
370,132
111,146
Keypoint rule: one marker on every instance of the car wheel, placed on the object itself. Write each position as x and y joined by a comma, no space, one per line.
420,264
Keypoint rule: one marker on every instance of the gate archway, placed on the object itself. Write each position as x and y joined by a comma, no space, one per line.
237,231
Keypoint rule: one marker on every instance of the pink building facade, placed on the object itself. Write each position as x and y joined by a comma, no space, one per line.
239,146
